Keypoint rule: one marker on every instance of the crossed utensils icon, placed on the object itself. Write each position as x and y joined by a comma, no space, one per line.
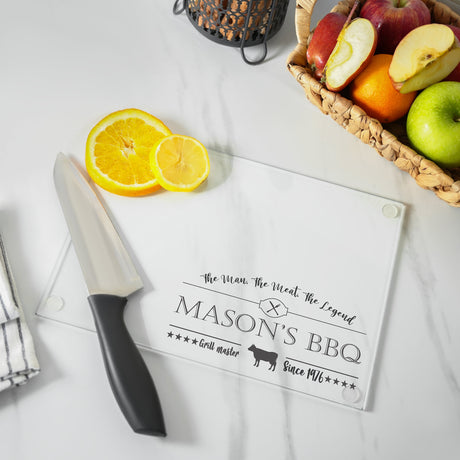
274,308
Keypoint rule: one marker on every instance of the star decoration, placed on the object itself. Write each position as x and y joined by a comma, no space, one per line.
178,336
186,338
170,334
336,381
194,341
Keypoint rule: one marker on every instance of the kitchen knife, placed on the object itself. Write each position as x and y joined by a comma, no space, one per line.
110,277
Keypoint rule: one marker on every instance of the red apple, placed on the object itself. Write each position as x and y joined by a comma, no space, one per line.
394,19
455,75
323,41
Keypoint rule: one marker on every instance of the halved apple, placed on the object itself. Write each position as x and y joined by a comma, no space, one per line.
425,56
323,41
355,46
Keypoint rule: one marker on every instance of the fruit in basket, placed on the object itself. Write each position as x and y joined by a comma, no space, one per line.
374,92
393,19
455,74
426,55
323,41
118,152
433,123
354,48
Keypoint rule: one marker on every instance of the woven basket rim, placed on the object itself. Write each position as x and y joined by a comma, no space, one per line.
427,174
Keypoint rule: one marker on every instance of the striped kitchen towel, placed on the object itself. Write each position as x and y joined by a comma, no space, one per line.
18,361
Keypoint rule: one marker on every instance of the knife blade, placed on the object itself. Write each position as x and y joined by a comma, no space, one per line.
111,277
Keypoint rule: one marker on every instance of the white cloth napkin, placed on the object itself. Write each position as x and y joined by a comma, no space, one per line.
18,361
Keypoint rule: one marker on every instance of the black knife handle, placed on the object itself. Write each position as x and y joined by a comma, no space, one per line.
128,375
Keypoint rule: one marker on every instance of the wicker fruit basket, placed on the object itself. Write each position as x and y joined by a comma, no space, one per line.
390,140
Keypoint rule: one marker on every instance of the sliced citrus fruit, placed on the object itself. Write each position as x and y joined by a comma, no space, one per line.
118,151
180,163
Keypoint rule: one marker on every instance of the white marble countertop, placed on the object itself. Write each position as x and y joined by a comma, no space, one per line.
67,64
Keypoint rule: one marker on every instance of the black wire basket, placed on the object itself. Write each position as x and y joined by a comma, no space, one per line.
237,23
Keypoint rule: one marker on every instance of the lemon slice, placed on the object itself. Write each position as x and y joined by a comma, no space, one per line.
118,151
180,163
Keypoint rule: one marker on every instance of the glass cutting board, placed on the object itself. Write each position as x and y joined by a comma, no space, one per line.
260,272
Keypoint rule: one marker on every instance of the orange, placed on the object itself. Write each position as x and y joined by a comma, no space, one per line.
180,163
118,152
373,91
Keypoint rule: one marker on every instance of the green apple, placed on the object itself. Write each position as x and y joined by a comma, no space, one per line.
433,123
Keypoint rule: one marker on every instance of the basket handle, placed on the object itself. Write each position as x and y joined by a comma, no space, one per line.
178,8
267,31
297,58
303,12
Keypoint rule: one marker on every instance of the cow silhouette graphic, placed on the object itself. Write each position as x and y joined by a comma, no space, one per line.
262,355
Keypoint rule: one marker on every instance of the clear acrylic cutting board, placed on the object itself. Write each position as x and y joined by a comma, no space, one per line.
260,272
